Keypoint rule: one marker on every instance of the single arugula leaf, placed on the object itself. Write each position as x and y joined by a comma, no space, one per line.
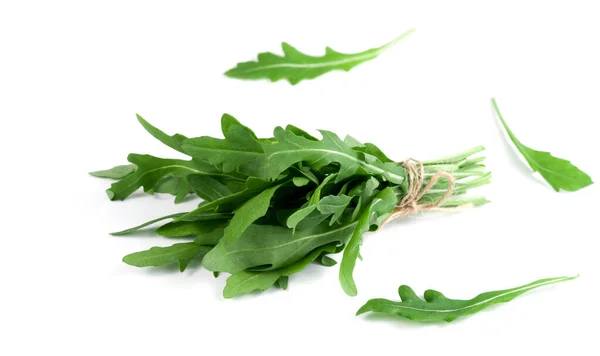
174,141
558,172
183,190
117,172
334,205
290,149
436,307
248,213
207,187
234,199
368,148
207,232
272,246
326,261
299,132
240,151
150,171
300,181
168,184
228,121
248,281
380,206
151,222
296,66
183,253
282,282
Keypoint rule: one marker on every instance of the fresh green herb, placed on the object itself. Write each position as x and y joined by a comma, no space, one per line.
271,206
558,172
436,307
296,66
118,172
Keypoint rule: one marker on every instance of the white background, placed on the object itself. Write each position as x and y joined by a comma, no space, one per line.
73,75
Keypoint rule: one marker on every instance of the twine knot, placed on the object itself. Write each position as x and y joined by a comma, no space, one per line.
415,172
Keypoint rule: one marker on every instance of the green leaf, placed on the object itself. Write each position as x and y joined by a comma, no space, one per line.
207,232
168,184
174,141
380,206
290,149
151,222
300,181
228,121
248,281
334,204
208,188
183,253
248,213
183,190
272,246
367,148
150,171
296,66
117,172
558,172
283,282
436,307
299,132
240,151
234,199
294,219
326,261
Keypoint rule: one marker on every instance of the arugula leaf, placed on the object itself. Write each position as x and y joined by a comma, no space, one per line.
296,66
174,141
151,222
436,307
380,206
282,282
183,253
326,261
248,281
207,187
117,172
272,246
240,151
558,172
299,132
290,149
248,213
300,181
235,198
150,170
334,205
294,219
200,229
228,121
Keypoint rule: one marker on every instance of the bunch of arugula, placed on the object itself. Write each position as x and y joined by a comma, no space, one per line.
271,206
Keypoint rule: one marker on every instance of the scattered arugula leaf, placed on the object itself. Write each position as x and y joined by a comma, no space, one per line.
117,172
558,172
295,66
437,307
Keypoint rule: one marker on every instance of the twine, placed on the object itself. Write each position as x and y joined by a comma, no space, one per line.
416,177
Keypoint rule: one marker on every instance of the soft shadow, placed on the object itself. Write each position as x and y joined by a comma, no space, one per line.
400,322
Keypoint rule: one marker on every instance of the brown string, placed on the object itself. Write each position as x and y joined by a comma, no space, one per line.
416,177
